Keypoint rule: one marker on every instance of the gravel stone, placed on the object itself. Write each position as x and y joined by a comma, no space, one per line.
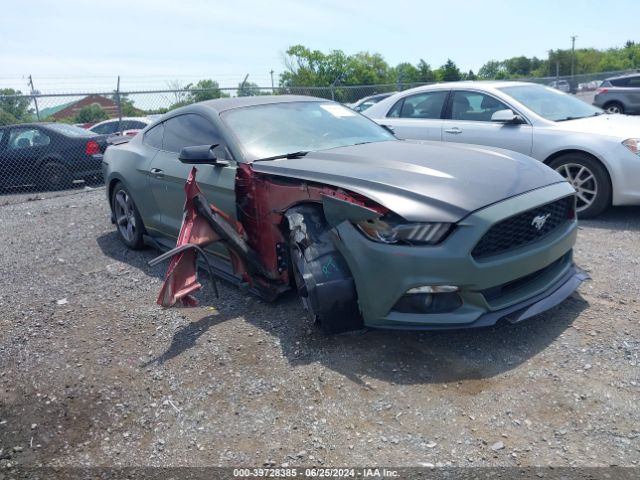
110,378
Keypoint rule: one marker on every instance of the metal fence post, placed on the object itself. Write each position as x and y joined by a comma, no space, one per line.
119,105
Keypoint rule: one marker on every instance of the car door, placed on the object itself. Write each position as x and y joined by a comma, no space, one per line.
168,174
468,120
417,116
633,94
6,179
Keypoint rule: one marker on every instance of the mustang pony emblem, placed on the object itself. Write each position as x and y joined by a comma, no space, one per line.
539,221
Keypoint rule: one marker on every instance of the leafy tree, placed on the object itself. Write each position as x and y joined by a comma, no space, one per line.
449,72
407,73
312,68
470,75
90,113
248,89
208,90
490,69
7,119
14,105
426,75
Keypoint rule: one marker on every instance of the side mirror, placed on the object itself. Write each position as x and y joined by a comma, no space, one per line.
201,155
506,116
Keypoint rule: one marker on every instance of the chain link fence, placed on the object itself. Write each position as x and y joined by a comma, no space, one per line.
52,142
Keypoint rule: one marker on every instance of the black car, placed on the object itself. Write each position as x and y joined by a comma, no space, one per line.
49,155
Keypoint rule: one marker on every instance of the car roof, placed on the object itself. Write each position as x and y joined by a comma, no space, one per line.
628,75
223,104
30,124
140,119
471,84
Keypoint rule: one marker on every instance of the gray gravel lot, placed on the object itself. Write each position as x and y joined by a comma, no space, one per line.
93,372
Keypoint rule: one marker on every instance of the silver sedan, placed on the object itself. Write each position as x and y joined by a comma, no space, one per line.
597,153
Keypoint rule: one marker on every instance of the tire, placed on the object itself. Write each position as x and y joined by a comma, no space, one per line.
128,221
614,107
55,176
590,179
322,278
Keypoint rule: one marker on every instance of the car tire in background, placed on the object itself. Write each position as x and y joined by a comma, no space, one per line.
54,176
590,179
614,107
127,218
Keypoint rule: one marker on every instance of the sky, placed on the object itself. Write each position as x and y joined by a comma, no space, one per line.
69,45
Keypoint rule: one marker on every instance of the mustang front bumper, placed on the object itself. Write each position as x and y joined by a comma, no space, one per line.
535,277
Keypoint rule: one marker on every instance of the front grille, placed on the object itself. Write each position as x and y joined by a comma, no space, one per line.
521,230
495,293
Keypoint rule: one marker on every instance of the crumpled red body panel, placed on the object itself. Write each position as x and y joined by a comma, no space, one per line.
181,279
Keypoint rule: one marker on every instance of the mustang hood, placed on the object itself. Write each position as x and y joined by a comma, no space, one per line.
420,181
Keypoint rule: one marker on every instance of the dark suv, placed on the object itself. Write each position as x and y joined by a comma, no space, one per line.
619,94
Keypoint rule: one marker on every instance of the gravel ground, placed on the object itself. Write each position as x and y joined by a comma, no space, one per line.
93,372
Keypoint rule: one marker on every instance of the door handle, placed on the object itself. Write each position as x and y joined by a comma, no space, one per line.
157,172
454,130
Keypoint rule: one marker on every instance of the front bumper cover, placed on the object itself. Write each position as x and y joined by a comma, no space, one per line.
531,307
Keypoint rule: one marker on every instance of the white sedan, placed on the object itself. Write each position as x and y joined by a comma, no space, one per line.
596,152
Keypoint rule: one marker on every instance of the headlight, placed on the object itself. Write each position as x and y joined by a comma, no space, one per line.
392,230
632,144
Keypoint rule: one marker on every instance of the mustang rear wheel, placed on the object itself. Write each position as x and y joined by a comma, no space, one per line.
589,178
128,220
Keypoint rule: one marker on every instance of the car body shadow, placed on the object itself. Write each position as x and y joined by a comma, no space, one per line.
400,357
616,218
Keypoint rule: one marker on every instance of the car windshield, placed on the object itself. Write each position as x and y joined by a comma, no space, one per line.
71,130
280,128
550,103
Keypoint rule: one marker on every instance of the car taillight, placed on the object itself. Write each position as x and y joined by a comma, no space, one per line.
92,148
601,90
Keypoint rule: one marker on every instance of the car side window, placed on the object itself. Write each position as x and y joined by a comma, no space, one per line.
421,105
20,138
634,82
153,136
619,82
187,131
134,124
474,106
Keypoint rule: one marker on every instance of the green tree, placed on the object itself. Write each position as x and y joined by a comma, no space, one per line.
407,73
312,68
15,105
449,72
490,70
426,75
7,119
248,89
470,75
205,89
90,113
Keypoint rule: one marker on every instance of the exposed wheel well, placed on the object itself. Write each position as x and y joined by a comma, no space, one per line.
112,185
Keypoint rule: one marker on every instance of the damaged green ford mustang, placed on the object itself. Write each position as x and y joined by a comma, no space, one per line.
295,192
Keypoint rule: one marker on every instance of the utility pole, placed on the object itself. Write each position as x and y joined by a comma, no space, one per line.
573,59
35,100
241,92
119,104
272,90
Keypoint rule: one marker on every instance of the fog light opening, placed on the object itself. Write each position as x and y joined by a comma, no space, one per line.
429,299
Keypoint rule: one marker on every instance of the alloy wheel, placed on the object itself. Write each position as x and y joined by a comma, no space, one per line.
615,108
583,180
125,215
